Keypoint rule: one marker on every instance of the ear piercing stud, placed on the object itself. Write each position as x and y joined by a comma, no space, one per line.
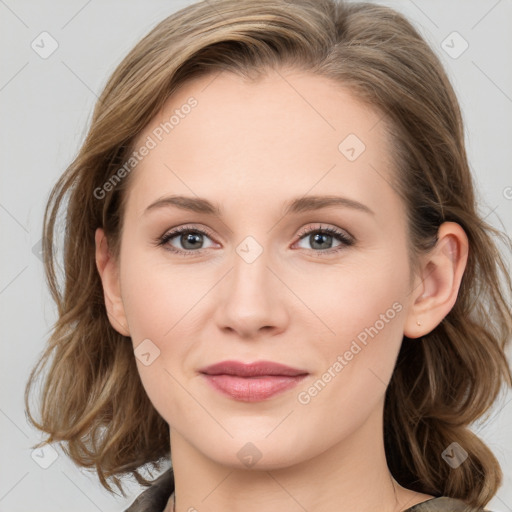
418,322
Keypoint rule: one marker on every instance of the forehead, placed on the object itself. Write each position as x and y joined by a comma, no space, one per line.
287,130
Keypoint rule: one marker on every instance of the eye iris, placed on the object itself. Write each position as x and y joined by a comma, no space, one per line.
190,238
317,238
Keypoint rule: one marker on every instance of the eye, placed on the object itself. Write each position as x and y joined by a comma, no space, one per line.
190,239
322,239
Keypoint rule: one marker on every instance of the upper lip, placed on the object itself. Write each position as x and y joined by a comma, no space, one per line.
258,368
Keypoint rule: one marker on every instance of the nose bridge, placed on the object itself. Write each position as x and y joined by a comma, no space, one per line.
250,276
249,298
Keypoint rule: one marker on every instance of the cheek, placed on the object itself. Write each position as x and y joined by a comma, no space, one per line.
159,304
156,296
344,301
363,308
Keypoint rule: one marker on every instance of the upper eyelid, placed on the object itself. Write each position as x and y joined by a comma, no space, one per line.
174,232
186,227
323,227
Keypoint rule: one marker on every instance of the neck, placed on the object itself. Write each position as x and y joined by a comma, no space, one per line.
352,475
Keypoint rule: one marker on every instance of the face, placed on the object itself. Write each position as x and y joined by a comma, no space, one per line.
273,275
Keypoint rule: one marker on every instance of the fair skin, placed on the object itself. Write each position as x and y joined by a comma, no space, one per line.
251,147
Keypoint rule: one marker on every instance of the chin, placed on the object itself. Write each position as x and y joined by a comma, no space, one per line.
255,452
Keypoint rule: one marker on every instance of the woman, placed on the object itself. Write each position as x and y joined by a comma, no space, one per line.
275,272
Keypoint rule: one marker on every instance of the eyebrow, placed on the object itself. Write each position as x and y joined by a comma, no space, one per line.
297,205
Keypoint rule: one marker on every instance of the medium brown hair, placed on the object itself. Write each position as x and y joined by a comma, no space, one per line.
92,399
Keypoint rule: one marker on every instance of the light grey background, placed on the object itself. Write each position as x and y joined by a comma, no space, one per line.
46,106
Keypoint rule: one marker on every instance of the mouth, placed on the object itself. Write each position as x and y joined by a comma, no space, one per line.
252,382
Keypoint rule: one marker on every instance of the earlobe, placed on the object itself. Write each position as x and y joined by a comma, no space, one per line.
109,274
435,291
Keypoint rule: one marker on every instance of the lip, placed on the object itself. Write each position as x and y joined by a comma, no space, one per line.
252,382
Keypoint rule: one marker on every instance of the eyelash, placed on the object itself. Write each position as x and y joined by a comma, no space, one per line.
346,240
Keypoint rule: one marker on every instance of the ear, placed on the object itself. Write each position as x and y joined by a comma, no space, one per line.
435,289
109,273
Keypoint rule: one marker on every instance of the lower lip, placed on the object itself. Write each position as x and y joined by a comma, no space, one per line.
252,389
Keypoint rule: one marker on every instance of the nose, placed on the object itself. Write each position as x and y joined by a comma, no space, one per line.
252,300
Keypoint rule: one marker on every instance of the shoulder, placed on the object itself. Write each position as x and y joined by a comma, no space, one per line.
155,497
444,504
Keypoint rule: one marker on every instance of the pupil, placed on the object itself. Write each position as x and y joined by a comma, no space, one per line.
319,236
190,238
